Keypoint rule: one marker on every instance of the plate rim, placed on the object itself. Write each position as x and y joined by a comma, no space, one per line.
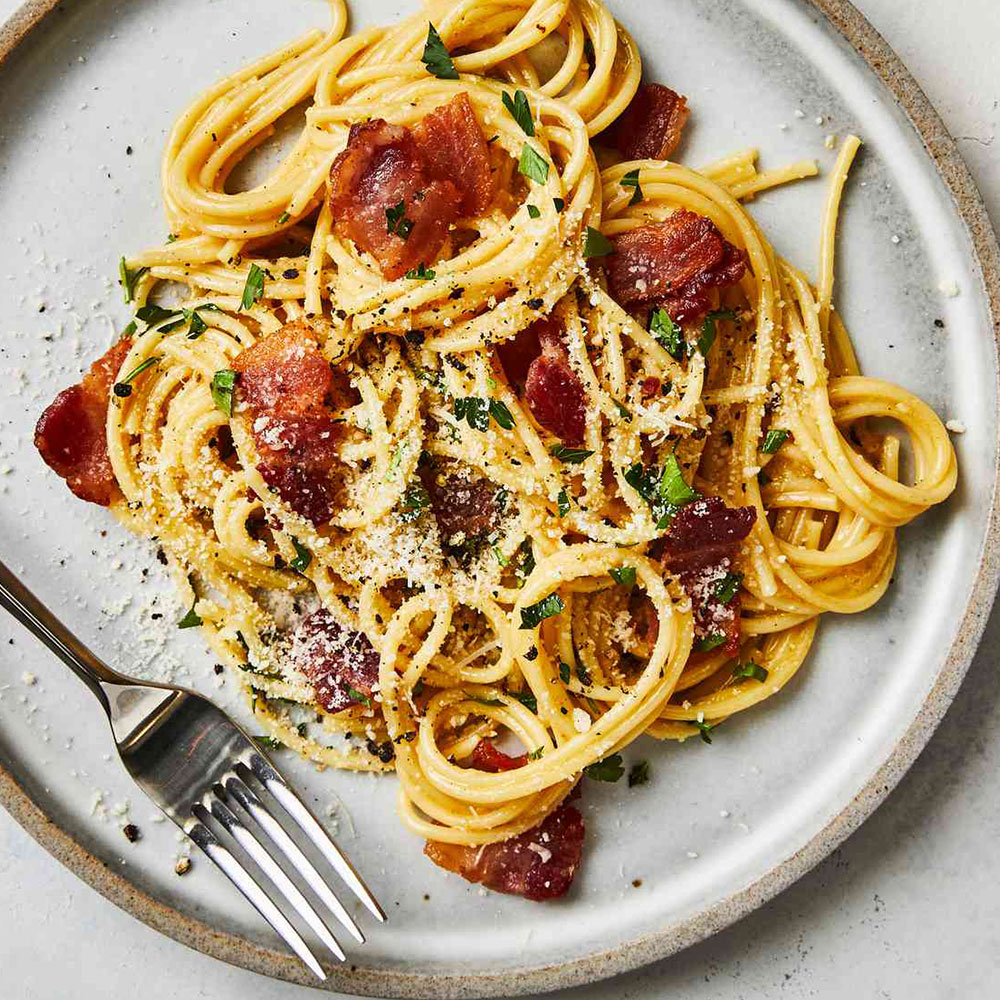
29,813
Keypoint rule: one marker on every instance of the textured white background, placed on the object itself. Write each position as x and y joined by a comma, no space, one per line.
908,908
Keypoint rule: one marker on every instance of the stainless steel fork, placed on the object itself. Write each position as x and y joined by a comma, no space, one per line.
197,765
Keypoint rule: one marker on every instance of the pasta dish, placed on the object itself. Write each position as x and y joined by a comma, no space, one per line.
480,437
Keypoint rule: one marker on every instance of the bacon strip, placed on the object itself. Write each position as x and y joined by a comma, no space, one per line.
431,175
539,864
488,757
335,659
674,263
703,539
538,357
71,434
289,389
464,503
651,125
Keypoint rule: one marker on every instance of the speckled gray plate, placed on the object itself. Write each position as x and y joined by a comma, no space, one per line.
90,90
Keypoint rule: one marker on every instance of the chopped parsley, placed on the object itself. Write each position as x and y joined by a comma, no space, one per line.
533,165
665,492
609,769
527,699
359,696
421,273
570,456
268,742
303,557
564,672
596,244
704,728
708,330
525,562
562,502
128,278
536,754
631,180
254,287
547,607
710,642
773,440
436,57
533,212
624,575
638,774
500,413
749,671
560,204
192,619
223,384
725,589
668,334
124,387
396,222
151,314
283,218
474,411
415,501
520,110
623,412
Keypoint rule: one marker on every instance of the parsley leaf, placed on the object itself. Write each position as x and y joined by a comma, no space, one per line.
500,413
533,165
749,670
704,728
415,501
710,642
563,502
525,562
708,330
396,222
564,672
609,769
422,273
631,180
303,557
665,492
254,287
283,218
596,244
124,387
547,607
773,440
268,742
520,110
638,774
151,314
624,575
127,279
536,754
527,699
570,456
725,589
191,619
474,411
359,696
667,333
223,383
622,411
533,212
559,203
436,57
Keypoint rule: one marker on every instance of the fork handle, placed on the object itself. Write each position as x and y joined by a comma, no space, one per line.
37,619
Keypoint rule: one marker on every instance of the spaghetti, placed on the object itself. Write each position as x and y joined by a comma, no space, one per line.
403,540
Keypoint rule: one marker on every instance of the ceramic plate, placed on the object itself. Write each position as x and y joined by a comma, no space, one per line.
90,91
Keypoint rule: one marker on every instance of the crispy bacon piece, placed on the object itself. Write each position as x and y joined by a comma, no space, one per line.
71,436
704,537
651,125
436,172
539,864
455,149
487,757
464,503
289,391
674,263
337,660
538,357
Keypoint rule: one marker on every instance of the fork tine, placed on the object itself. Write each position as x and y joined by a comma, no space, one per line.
245,838
275,784
253,805
256,896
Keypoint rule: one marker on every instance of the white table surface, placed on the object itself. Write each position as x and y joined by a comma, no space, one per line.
909,907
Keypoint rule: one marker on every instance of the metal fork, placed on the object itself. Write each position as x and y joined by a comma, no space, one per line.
196,764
